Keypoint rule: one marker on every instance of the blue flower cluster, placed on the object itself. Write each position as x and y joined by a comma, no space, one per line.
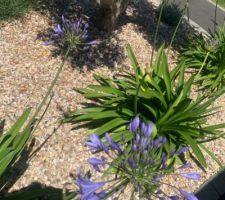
139,164
71,34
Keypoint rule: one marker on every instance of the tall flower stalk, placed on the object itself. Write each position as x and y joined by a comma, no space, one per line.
137,165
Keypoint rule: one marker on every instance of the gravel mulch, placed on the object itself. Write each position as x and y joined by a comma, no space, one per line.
27,68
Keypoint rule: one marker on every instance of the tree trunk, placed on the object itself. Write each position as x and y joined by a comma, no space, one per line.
109,13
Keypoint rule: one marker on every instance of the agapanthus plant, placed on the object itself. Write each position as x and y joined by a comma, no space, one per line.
207,57
156,94
136,166
73,34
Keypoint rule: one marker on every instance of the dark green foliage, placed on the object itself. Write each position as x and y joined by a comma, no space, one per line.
164,98
13,142
171,13
13,9
207,57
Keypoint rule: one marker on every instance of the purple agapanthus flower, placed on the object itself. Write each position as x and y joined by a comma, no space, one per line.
88,188
71,33
137,163
187,195
96,144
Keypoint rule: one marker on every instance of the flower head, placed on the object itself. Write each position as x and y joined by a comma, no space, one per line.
71,33
143,163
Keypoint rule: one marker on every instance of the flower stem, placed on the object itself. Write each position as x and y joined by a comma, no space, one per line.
49,92
156,32
52,84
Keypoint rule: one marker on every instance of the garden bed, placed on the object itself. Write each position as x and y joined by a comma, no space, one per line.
26,69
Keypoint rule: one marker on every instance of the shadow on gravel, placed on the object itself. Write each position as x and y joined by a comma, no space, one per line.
144,16
38,191
110,51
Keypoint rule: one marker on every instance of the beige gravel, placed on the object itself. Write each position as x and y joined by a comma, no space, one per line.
27,68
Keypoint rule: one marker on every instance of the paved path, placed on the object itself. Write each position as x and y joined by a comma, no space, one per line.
213,189
202,12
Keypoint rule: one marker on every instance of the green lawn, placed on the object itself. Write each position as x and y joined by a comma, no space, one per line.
13,9
220,2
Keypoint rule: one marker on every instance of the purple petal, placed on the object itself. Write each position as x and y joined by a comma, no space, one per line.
134,147
143,143
92,42
134,124
191,175
138,138
95,162
144,128
183,150
174,198
187,195
63,19
164,160
173,151
96,144
50,42
131,162
112,144
185,166
87,187
149,129
158,178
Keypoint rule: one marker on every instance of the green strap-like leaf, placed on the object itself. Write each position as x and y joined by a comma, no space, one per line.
166,75
170,110
212,155
134,62
105,89
194,146
107,127
6,161
11,134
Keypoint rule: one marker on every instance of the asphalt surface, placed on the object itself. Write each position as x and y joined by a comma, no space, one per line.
202,12
214,189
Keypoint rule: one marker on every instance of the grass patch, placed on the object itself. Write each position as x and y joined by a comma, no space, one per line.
220,2
14,9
